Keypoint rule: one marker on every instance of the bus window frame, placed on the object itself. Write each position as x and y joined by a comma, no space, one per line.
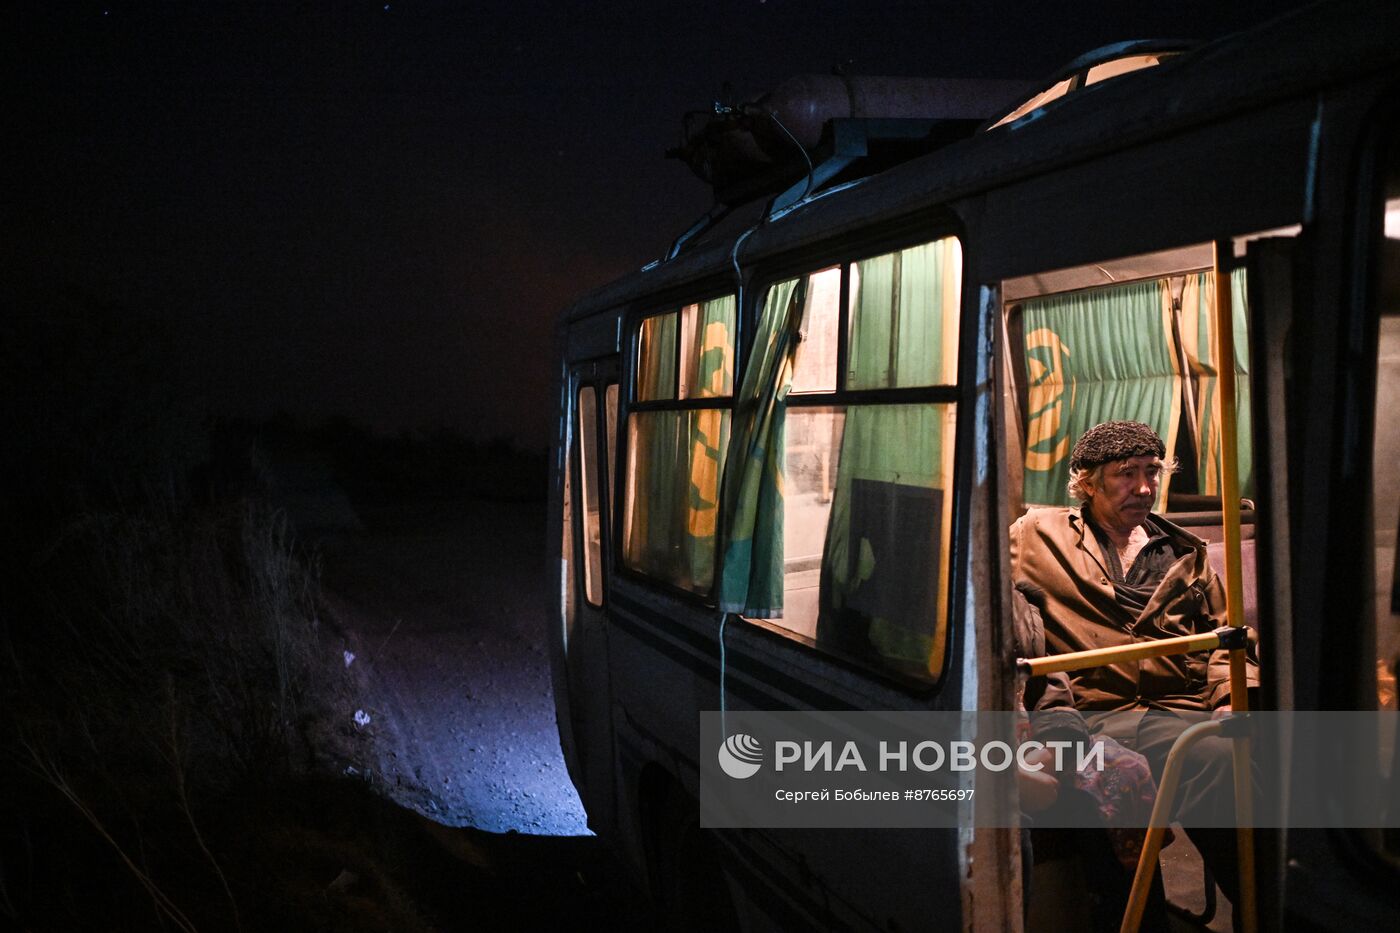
843,252
589,372
674,301
586,479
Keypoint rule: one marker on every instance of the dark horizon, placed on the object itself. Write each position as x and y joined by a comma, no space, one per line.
377,211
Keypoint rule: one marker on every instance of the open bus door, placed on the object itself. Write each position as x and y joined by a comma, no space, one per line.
1271,263
594,391
1313,422
1321,412
1201,282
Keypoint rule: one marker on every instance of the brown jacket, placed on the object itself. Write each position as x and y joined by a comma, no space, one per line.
1057,563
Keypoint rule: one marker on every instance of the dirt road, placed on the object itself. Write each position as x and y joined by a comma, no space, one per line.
443,609
441,605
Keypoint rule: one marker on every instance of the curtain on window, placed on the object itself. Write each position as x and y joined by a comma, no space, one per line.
709,435
656,358
656,456
671,525
884,562
709,373
904,318
1198,339
1104,354
708,365
752,579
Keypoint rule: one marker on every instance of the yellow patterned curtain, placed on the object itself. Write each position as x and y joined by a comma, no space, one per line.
676,458
1198,339
1102,354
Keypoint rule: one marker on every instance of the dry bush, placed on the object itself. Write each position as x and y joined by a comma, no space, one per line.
193,635
162,666
169,664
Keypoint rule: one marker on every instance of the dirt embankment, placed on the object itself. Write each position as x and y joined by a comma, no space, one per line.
443,611
442,608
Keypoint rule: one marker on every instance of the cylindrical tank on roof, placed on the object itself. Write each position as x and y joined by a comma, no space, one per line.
804,103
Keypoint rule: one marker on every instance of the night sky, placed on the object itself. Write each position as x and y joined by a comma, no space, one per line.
377,210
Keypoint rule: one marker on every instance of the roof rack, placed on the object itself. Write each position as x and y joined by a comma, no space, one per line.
815,131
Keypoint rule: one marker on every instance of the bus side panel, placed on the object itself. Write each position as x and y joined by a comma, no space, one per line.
1252,173
665,672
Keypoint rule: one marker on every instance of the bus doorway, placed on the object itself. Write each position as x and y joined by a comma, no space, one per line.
1141,339
594,396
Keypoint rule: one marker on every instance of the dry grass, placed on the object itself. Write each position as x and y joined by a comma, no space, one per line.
189,638
165,676
170,662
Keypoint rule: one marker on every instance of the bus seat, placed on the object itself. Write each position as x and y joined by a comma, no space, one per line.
1198,502
1215,552
1210,525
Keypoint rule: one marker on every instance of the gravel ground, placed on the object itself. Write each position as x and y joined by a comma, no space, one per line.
442,607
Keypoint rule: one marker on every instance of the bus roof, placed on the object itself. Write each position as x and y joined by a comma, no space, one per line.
1303,51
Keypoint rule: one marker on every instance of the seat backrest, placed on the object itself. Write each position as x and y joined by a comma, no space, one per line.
1210,525
1215,551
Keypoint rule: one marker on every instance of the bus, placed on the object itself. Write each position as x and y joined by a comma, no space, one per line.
788,454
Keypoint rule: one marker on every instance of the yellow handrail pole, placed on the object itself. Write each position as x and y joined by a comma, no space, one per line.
1244,797
1234,586
1157,824
1229,444
1098,657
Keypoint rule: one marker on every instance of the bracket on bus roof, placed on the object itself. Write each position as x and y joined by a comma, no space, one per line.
850,147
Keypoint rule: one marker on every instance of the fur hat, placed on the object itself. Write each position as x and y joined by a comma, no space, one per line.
1115,440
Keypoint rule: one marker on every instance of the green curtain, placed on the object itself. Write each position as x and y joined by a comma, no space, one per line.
671,525
709,350
709,370
656,358
656,453
1103,354
751,582
708,431
899,333
881,588
1198,336
671,531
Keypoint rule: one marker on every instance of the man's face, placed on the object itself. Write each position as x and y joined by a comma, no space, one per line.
1125,492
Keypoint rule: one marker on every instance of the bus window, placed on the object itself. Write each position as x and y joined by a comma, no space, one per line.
1133,340
866,480
610,413
1385,506
707,369
1122,66
1195,323
678,433
814,367
1054,92
812,456
1103,71
904,322
588,483
656,358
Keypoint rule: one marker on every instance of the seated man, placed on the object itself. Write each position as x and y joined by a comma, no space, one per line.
1112,573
